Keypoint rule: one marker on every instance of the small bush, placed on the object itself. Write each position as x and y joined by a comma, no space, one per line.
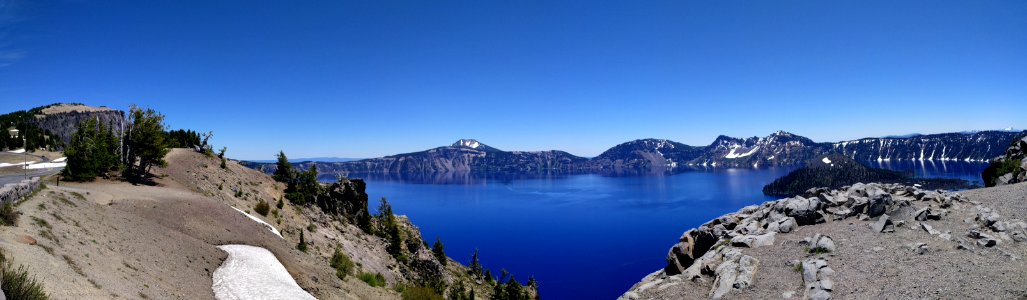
280,203
17,284
375,279
342,264
302,246
262,208
8,216
420,293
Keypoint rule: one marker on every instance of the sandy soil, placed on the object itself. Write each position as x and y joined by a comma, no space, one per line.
107,239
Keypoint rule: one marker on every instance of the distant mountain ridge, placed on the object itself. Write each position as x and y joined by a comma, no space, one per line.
660,155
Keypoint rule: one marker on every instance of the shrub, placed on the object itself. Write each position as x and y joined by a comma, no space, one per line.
375,279
280,203
440,252
342,264
302,246
8,216
420,293
999,168
17,284
262,208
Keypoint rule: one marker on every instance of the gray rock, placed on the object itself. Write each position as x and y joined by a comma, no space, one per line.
821,243
753,241
925,214
736,272
929,229
919,248
879,202
883,224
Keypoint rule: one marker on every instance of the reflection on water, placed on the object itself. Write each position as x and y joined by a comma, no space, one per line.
969,171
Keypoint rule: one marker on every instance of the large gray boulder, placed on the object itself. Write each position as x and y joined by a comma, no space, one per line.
736,272
692,245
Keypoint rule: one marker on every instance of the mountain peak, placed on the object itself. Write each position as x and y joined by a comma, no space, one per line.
469,143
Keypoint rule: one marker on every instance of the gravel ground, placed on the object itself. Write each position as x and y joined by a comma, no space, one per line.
872,265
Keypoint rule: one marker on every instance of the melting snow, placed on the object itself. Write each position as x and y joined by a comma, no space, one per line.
62,159
258,220
826,160
17,151
470,144
254,273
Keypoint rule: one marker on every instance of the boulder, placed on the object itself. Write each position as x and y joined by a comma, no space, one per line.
821,243
883,224
925,214
693,244
929,229
805,211
736,272
879,202
753,241
918,248
785,225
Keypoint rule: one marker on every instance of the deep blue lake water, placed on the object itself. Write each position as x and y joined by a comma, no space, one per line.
584,236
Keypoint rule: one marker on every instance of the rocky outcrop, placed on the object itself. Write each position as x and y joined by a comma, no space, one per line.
720,249
1009,168
63,120
11,192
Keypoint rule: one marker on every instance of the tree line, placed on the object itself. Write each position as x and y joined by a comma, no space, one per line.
96,150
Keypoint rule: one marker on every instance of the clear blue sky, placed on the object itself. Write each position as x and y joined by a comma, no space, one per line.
371,78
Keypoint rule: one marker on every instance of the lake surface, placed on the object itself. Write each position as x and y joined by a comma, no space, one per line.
584,236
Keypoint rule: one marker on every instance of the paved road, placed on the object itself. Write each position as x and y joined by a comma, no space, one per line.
13,178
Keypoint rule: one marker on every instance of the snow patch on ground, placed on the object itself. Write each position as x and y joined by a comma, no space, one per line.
254,273
17,151
46,165
62,159
826,160
258,220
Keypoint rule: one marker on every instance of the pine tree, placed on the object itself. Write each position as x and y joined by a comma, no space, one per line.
476,268
284,172
440,251
302,246
145,141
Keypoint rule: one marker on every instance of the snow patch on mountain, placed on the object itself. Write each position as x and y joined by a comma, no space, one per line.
258,220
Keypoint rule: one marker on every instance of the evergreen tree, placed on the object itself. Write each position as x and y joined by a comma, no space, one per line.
440,251
476,268
302,246
145,141
284,172
92,152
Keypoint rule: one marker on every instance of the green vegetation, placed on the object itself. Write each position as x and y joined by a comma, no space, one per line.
221,155
280,203
420,293
440,251
34,137
8,215
17,284
341,263
145,141
284,172
262,207
302,245
92,152
374,280
999,168
183,139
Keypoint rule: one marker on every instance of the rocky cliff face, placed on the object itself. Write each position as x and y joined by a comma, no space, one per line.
1009,168
970,147
846,242
63,120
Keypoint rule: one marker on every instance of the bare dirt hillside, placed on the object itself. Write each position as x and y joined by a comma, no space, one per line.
109,239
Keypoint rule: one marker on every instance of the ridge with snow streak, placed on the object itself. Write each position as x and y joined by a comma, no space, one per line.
660,155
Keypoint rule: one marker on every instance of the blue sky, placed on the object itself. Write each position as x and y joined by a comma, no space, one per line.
371,78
